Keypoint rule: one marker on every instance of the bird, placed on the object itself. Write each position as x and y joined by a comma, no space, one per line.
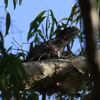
54,47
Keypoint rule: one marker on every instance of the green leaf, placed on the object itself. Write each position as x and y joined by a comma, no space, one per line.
64,19
2,49
41,35
51,31
14,3
57,31
8,20
63,25
6,3
16,74
33,96
52,28
53,17
54,21
47,24
9,49
78,19
31,46
1,39
34,26
36,39
21,55
30,35
74,9
35,23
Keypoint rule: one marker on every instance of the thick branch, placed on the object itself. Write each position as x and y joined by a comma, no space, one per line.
64,75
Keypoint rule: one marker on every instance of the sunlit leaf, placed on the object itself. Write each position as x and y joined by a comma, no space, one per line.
8,20
63,25
74,9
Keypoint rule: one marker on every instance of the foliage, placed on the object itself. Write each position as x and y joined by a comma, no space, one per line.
14,3
44,33
12,74
39,33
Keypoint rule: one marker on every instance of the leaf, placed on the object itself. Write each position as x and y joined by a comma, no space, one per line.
51,31
1,39
10,48
30,35
6,3
41,35
8,19
78,19
16,74
31,46
36,21
54,21
53,17
35,24
52,28
2,49
33,96
74,9
47,24
36,39
63,25
14,3
20,1
21,55
64,19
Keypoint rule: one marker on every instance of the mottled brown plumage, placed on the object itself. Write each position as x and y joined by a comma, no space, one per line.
53,47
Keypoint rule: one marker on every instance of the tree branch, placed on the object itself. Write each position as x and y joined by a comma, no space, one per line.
57,75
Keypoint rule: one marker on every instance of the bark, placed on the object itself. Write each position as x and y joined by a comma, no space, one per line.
91,22
57,75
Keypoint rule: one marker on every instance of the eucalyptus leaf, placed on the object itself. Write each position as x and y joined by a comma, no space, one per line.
30,35
41,35
8,21
14,3
6,3
35,24
53,17
36,21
